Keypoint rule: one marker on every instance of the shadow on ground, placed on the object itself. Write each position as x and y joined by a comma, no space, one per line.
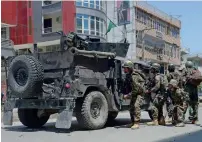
50,127
188,137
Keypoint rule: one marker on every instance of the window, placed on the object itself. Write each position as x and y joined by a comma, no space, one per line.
79,3
137,14
90,25
47,2
175,32
86,24
79,23
3,33
97,4
48,25
101,5
149,21
30,4
30,25
144,19
85,3
168,30
101,27
92,4
97,26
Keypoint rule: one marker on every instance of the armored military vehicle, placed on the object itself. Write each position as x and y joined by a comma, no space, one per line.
84,79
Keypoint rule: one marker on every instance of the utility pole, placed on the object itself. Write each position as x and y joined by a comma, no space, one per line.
124,31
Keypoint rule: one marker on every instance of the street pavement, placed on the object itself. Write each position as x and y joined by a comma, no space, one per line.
114,132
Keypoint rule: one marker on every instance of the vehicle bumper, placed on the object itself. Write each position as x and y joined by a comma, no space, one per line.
65,106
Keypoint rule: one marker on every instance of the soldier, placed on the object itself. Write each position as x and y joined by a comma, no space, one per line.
193,94
157,96
137,85
178,97
182,74
172,74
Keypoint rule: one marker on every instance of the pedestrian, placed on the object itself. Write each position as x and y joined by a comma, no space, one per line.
137,92
178,97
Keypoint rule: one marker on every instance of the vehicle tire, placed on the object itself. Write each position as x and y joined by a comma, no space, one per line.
112,116
92,113
25,76
29,118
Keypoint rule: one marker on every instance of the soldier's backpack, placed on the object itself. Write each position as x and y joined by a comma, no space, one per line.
195,78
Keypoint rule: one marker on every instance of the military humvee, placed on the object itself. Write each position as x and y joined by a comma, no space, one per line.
83,79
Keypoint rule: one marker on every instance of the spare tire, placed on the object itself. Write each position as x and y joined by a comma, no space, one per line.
25,76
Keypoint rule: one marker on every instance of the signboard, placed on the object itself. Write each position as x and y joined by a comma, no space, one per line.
123,12
153,44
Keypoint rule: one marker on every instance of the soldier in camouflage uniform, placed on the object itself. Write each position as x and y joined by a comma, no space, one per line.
193,94
172,74
178,97
137,85
157,98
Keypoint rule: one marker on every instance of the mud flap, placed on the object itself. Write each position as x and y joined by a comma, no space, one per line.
8,112
64,119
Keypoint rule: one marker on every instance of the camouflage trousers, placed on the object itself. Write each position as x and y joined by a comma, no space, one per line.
135,108
158,102
193,110
169,108
178,113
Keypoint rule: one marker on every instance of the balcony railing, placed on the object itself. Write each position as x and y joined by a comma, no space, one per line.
47,30
51,30
54,7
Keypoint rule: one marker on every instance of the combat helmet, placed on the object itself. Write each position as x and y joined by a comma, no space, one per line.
189,64
171,67
173,82
181,68
156,66
128,64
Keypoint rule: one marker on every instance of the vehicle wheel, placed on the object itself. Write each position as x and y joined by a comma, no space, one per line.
29,118
150,114
112,116
25,76
93,111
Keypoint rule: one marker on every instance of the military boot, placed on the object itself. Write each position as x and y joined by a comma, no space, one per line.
153,123
196,122
174,122
135,126
180,124
129,125
169,120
